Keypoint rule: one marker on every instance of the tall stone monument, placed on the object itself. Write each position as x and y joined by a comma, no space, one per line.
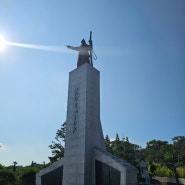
86,161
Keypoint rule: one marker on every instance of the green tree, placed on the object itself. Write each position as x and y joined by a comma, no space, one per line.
179,149
152,151
7,177
1,166
140,154
116,146
108,144
174,155
170,155
56,147
28,176
123,149
14,166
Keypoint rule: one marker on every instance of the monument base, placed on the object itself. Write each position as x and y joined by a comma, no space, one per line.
107,170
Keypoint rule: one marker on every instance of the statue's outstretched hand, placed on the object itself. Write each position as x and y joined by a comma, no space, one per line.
68,46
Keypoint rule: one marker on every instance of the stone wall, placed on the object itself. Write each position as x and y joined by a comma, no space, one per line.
127,171
50,173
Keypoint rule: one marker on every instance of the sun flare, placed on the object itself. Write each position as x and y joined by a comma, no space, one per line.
2,43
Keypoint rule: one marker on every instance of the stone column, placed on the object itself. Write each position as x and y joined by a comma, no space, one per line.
84,131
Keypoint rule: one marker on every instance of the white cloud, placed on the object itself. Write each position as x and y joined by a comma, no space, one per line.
3,147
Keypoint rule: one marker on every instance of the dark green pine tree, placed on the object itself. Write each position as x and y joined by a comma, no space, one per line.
57,146
108,144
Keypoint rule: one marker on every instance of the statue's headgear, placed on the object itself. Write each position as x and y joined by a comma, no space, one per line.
83,41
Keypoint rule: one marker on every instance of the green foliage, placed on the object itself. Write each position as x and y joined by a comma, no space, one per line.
21,173
179,150
152,151
164,159
7,177
181,172
170,156
1,166
56,146
123,149
28,176
108,144
163,171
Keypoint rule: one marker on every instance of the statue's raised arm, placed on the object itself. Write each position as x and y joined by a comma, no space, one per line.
84,55
73,48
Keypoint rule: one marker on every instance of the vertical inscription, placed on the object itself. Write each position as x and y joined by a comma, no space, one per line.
76,96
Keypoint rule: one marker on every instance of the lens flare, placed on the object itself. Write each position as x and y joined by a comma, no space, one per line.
58,49
2,43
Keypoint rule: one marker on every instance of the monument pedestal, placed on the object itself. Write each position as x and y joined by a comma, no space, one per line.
86,161
83,131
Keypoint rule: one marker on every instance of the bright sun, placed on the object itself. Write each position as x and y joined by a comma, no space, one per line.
2,42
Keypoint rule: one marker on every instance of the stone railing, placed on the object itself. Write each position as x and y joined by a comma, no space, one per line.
169,180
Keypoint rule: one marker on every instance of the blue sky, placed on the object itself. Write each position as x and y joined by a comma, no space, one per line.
140,47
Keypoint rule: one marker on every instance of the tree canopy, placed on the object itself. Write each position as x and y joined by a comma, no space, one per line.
170,155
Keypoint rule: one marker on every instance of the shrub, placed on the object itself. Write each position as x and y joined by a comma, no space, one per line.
163,171
181,172
6,177
28,175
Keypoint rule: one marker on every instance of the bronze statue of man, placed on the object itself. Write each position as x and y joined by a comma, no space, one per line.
84,52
